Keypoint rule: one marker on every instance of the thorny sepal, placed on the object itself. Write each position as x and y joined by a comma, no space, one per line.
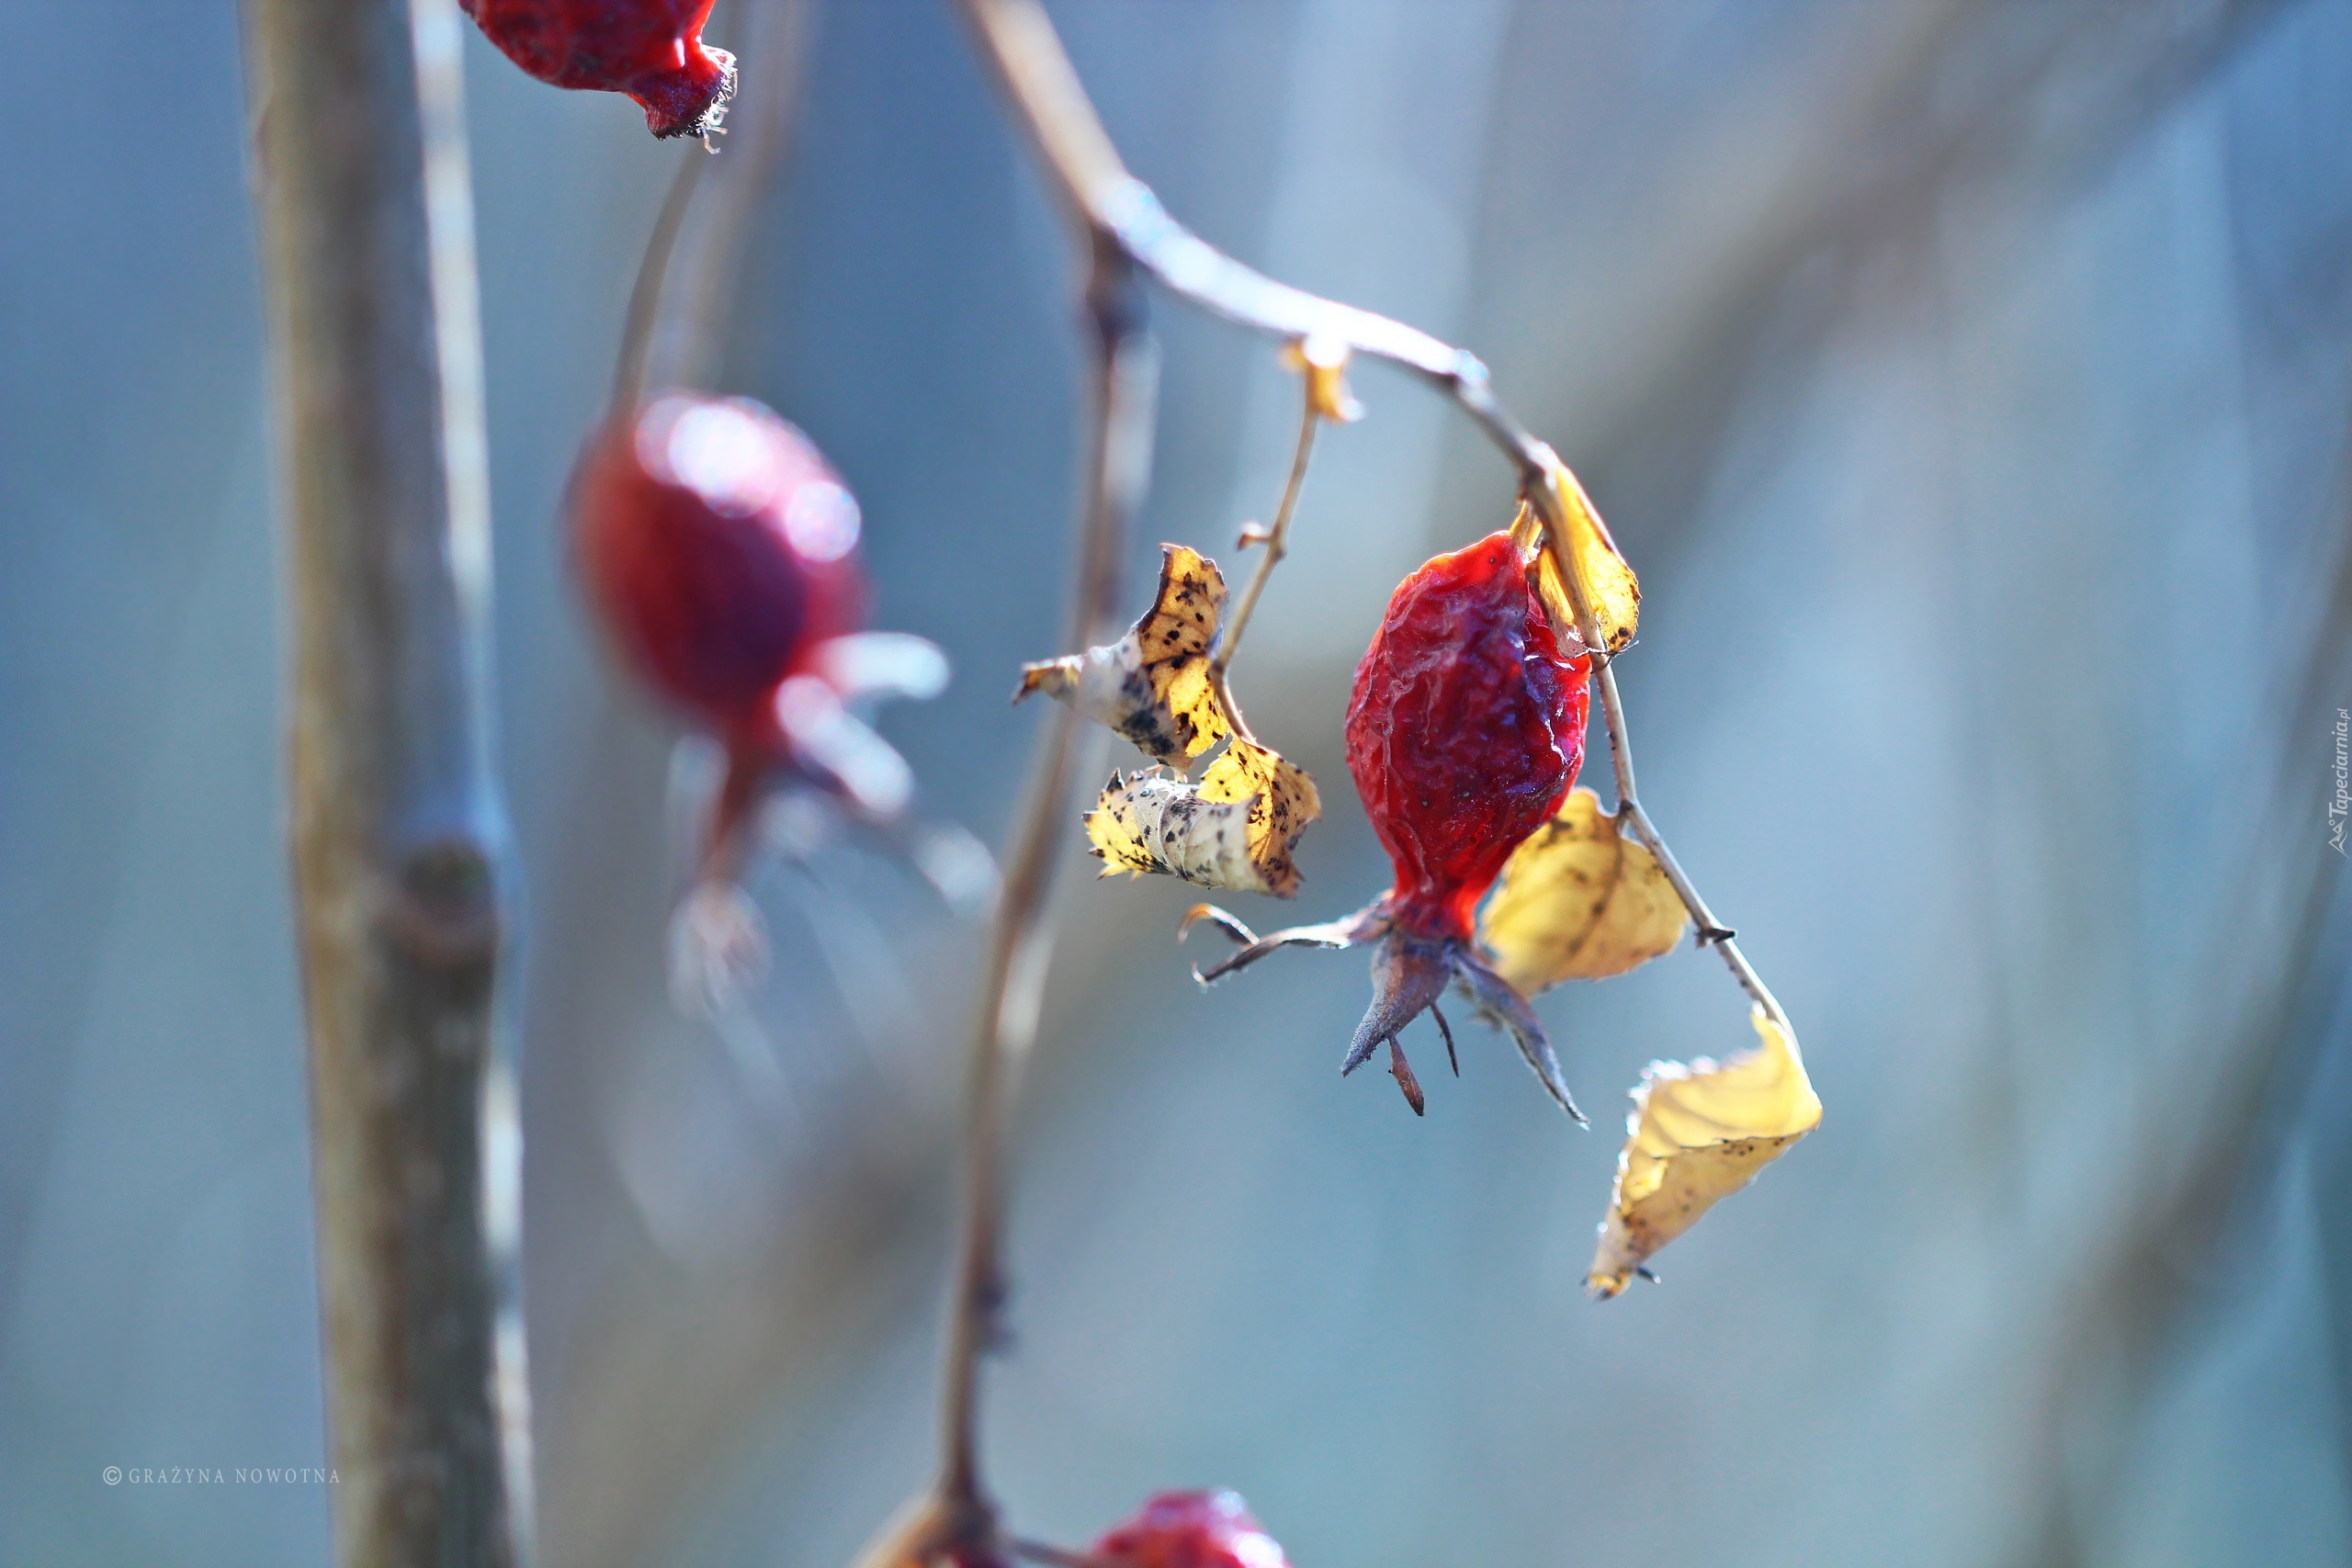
1235,828
1697,1134
1410,970
1153,685
1578,900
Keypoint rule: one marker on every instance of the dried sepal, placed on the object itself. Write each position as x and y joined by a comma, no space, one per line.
1578,900
1604,580
1235,828
1697,1134
1153,685
1323,361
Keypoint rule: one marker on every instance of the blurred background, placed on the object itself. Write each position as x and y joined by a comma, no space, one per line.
1970,381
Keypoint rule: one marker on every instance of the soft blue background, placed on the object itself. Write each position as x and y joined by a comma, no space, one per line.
1970,380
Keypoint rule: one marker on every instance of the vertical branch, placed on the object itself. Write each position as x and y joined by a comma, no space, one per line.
1126,370
396,828
688,321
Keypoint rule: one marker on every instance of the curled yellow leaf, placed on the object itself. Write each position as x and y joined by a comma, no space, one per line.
1235,828
1603,582
1578,900
1699,1134
1153,685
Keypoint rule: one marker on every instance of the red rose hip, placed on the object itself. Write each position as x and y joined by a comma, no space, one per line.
717,543
719,550
650,49
1192,1529
1464,730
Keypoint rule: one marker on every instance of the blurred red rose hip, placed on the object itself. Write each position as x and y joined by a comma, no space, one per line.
718,546
650,49
1192,1529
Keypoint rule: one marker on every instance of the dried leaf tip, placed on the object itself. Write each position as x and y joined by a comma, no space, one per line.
1602,583
1578,900
1323,361
1697,1134
1235,828
1153,685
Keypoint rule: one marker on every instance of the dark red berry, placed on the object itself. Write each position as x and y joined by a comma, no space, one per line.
1192,1529
650,49
719,547
1464,730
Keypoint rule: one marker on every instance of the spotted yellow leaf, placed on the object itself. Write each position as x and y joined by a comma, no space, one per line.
1578,900
1153,685
1234,828
1603,582
1699,1134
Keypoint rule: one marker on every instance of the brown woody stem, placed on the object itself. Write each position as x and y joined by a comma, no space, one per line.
397,827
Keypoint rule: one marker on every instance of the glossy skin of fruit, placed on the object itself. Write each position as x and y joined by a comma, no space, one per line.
718,546
650,49
1464,730
1191,1529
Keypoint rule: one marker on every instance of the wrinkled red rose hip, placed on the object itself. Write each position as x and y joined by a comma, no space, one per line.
1192,1529
650,49
1464,730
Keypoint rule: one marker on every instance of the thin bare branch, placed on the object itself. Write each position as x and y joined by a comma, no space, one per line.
698,298
397,830
1006,1025
1276,542
685,280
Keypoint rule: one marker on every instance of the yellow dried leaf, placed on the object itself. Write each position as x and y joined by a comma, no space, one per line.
1235,828
1604,583
1324,363
1152,685
1578,900
1697,1134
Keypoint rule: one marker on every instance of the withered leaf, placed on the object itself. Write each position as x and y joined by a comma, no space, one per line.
1234,828
1604,580
1323,362
1578,900
1699,1134
1152,685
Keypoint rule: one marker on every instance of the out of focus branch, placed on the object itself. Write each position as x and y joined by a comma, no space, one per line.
1006,1025
367,241
686,278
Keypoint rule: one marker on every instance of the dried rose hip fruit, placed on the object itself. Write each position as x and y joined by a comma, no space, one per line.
1464,730
1191,1529
650,49
719,549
